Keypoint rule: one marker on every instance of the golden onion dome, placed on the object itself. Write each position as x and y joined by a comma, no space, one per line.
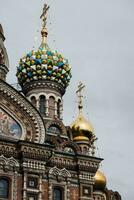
82,130
100,181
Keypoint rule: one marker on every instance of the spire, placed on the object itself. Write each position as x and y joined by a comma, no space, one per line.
44,32
79,91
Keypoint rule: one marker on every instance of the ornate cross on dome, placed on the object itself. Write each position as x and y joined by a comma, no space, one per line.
44,32
44,14
79,91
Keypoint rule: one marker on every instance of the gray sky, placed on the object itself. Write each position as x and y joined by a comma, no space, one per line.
98,38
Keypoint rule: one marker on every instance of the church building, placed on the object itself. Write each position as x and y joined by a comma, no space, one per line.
40,157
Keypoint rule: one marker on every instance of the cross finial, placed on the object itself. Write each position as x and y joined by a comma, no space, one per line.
44,32
44,14
79,91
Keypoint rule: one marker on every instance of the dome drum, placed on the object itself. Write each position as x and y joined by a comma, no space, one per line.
43,85
81,139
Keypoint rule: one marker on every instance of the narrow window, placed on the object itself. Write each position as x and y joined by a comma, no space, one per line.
33,101
57,194
4,188
52,107
42,105
85,149
59,109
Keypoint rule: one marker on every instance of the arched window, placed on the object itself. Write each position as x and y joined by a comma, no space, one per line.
84,149
51,107
59,109
33,101
69,150
58,194
42,106
54,129
4,188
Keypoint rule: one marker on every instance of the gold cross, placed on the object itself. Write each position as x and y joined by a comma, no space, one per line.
79,91
44,14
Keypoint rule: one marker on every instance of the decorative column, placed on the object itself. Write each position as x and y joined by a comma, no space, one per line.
93,149
25,186
55,109
68,191
37,103
61,110
15,186
50,191
40,187
47,107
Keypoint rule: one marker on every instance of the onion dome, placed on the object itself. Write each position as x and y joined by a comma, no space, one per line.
100,181
82,130
44,63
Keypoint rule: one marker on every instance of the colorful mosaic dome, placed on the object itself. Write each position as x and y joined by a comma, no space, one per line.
44,64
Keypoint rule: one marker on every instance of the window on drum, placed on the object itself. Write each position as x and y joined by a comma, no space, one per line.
42,105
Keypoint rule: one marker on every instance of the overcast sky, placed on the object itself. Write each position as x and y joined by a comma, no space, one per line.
97,36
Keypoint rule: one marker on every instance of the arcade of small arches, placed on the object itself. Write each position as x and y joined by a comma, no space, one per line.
72,147
48,105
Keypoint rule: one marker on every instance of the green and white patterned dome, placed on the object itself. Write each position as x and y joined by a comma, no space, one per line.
44,64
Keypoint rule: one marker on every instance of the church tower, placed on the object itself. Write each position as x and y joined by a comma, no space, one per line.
40,157
44,75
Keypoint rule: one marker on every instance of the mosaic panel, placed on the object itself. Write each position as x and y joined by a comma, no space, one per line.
9,127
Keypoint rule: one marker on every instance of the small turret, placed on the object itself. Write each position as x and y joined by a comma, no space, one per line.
4,62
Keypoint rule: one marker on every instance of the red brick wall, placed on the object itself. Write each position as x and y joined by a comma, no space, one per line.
44,190
74,193
19,187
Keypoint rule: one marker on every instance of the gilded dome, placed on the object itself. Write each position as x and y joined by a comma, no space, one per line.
44,64
81,129
100,181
